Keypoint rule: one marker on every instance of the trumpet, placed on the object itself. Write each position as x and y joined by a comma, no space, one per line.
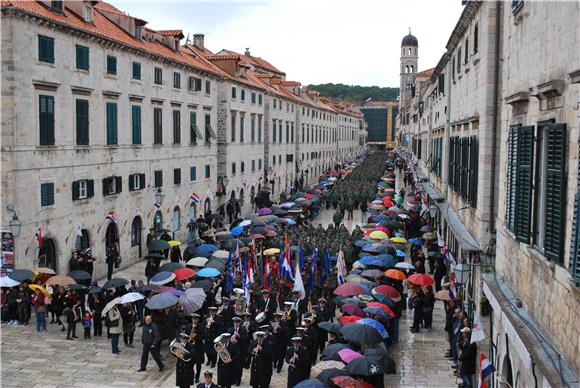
240,306
256,351
293,359
192,336
288,315
209,321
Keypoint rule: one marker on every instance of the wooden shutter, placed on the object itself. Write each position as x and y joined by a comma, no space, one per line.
90,188
46,120
142,181
555,192
136,124
131,182
47,194
118,184
105,182
524,180
111,123
111,64
75,190
512,170
82,121
575,244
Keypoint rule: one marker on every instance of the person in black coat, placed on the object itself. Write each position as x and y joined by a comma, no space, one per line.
260,351
267,305
282,338
468,358
150,339
416,302
207,381
213,326
196,329
428,305
298,362
240,336
184,369
311,333
289,316
226,371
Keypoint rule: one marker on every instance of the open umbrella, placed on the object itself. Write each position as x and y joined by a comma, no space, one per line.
21,274
208,273
395,274
404,265
426,229
221,254
421,279
79,275
375,324
162,277
347,355
149,287
60,280
364,367
330,327
345,320
45,270
348,289
384,299
158,245
310,383
36,287
96,290
271,251
174,243
156,256
361,334
110,305
442,295
205,248
183,273
416,241
383,358
378,235
204,284
170,267
349,382
353,309
217,264
326,375
161,301
324,365
264,211
115,282
76,287
131,297
193,300
6,282
330,352
224,235
372,273
197,261
389,291
376,312
245,223
173,291
238,230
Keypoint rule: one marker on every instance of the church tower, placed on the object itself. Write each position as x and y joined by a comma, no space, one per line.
409,59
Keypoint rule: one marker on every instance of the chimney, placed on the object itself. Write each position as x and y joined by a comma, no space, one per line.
198,41
247,52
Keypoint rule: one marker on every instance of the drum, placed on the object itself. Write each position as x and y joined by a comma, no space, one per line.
261,317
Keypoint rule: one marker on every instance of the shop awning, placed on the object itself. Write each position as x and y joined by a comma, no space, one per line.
466,241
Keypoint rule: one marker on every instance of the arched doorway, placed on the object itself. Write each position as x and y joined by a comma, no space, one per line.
136,230
241,199
157,222
207,206
175,220
82,240
112,238
47,254
506,372
253,197
233,195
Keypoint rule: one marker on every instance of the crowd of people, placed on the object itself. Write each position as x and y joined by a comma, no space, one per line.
269,322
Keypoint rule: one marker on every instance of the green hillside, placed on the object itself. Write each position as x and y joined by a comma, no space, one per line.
355,93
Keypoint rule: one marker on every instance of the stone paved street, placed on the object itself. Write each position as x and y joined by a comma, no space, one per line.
31,359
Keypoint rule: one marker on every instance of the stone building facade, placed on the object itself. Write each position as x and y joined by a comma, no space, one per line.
494,133
111,129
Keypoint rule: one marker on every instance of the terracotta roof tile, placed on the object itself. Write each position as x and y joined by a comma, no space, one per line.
425,73
256,61
178,33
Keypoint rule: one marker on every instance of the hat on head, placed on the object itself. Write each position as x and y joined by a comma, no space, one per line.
207,373
265,291
300,328
187,285
307,319
225,298
465,330
321,300
195,315
296,339
288,303
247,314
265,327
182,335
259,333
236,319
212,308
278,314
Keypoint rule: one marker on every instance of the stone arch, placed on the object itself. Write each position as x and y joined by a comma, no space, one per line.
507,373
83,240
176,219
137,233
47,254
112,238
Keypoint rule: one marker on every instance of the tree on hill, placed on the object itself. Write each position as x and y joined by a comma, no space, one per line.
356,94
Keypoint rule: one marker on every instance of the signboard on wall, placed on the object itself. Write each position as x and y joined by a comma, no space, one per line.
7,253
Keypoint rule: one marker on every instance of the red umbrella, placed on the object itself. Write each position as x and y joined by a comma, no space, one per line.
308,196
349,382
421,279
383,307
348,319
348,289
183,273
353,309
389,291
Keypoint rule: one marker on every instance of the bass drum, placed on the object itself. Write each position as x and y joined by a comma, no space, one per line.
261,317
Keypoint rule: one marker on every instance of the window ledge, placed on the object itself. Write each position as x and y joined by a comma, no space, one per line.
47,64
79,201
136,81
46,147
111,76
137,145
81,71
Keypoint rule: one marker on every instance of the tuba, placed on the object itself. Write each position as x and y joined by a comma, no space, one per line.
179,351
240,306
222,351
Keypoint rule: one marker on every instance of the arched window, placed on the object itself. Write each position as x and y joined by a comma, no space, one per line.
412,70
241,199
233,195
176,219
409,51
82,240
192,212
136,228
47,254
158,222
207,205
407,69
112,238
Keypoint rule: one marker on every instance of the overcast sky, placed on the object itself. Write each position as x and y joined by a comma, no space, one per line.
313,41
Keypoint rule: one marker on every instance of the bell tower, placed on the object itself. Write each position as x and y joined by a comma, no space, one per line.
409,60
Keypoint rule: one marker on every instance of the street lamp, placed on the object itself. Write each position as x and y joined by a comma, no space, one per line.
462,271
433,210
15,225
159,196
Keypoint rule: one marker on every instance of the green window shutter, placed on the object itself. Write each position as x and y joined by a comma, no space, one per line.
47,194
82,54
75,190
192,173
555,192
45,49
524,181
82,121
158,178
90,188
111,64
111,123
136,70
136,124
176,176
46,120
575,244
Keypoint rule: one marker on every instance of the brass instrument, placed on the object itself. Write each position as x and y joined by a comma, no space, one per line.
209,321
292,363
246,324
259,349
287,315
240,306
179,351
192,336
222,351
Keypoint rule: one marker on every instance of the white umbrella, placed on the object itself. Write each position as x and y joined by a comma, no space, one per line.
404,265
110,306
245,223
7,282
192,300
221,254
197,261
131,297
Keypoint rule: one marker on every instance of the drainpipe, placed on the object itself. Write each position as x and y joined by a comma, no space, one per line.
495,118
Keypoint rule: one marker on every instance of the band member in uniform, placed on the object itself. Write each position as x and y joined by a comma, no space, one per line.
306,345
240,336
249,324
213,326
300,305
290,317
226,368
322,315
184,367
207,381
196,333
260,353
267,305
268,341
297,359
227,312
282,335
312,333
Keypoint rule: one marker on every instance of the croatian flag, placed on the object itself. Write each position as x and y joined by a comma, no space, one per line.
157,205
195,197
452,286
248,279
340,267
111,217
286,268
237,262
38,236
485,370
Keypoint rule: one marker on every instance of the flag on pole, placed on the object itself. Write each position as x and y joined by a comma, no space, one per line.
298,285
368,100
247,280
477,333
485,370
195,197
38,236
452,286
313,270
111,217
229,283
340,267
157,205
266,276
286,267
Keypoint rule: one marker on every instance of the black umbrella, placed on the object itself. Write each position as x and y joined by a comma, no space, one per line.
204,284
158,245
21,274
189,252
361,334
76,287
426,229
149,287
280,212
364,366
115,282
231,244
158,256
79,275
331,351
338,300
330,327
383,358
96,290
170,267
326,375
217,264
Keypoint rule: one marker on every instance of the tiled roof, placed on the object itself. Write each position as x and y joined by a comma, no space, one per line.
381,103
425,73
178,33
256,61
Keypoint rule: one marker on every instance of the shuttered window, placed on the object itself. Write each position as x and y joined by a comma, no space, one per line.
176,176
176,127
46,194
512,169
45,49
194,133
136,70
83,189
524,180
111,123
111,64
192,173
82,122
136,124
157,126
158,76
82,57
112,185
207,171
463,165
136,182
46,120
158,178
575,244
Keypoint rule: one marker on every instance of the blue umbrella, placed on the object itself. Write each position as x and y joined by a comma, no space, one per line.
400,253
416,241
290,221
380,218
361,243
161,301
162,277
384,299
208,273
205,248
310,384
371,322
376,311
370,248
238,230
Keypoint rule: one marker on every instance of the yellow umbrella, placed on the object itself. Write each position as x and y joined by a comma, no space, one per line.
399,240
48,271
174,243
271,251
378,235
36,287
376,206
